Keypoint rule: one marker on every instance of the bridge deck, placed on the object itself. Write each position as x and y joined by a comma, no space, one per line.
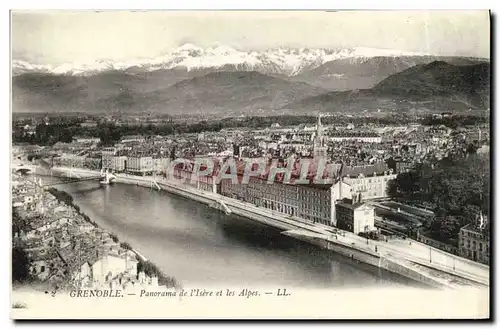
75,180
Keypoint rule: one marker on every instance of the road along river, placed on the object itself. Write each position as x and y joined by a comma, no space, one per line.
199,245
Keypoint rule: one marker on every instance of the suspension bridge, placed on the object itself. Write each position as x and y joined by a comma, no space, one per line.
42,168
69,180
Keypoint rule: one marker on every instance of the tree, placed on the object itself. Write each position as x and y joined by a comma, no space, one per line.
20,265
471,148
406,185
452,185
458,188
392,188
126,245
114,238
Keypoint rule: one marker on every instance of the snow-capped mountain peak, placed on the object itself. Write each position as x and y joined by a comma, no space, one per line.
288,61
188,47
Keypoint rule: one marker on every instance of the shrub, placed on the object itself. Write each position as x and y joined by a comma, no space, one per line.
126,245
114,237
151,269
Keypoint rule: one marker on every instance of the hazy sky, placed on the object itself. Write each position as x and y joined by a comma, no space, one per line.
81,36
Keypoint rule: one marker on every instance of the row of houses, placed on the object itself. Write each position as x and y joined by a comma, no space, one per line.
340,204
135,164
77,161
65,249
337,204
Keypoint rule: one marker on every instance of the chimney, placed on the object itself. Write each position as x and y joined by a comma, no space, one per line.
481,222
340,187
354,198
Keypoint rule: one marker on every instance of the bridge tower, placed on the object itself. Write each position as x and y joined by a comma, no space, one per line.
154,183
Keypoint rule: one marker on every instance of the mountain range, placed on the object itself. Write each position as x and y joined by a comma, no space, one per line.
436,87
119,91
188,57
192,79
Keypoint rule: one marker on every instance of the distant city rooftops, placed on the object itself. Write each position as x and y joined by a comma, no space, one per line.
133,137
353,134
366,170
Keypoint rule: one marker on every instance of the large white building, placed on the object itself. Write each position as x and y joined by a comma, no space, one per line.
354,216
312,202
161,165
82,139
474,242
349,135
138,164
371,181
119,163
133,138
101,269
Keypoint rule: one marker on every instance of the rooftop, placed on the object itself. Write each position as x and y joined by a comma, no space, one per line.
353,134
348,203
475,228
366,170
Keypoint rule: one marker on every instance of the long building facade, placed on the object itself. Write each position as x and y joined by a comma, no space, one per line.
305,201
141,165
313,202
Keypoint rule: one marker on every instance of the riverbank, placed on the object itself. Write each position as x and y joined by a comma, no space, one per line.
143,265
60,242
391,255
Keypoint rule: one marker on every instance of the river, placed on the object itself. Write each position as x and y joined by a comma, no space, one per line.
201,246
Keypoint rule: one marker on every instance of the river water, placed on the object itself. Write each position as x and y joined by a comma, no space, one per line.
201,246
